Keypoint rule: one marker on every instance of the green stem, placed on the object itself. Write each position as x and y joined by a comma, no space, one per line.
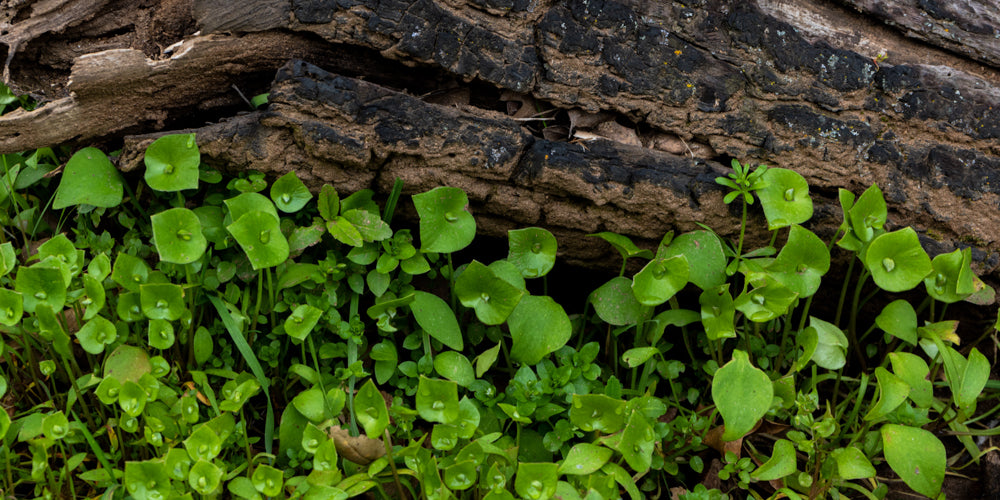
843,292
852,325
352,357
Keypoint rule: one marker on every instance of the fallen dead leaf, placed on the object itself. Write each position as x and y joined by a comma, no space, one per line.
361,450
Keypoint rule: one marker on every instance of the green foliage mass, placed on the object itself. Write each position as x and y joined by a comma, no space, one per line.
235,338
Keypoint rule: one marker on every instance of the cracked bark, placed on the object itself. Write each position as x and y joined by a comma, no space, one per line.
847,93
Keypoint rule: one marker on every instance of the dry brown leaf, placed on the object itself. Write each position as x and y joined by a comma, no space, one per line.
519,105
582,119
619,133
361,450
713,438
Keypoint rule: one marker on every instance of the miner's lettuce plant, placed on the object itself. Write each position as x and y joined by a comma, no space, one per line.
235,337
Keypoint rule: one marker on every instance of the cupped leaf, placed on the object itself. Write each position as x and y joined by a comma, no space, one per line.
831,344
11,307
455,367
493,298
162,301
897,261
532,250
161,334
615,302
536,480
868,215
302,320
177,236
952,278
369,407
718,313
742,393
801,263
289,193
706,260
259,234
267,480
892,392
130,272
205,477
785,198
585,458
148,480
172,163
917,456
95,334
437,319
899,319
437,400
766,303
597,412
538,326
660,279
93,299
40,285
89,179
781,463
445,224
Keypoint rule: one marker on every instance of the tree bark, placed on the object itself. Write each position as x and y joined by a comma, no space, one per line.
644,102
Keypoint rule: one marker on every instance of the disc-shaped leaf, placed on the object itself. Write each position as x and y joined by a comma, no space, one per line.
89,179
801,263
249,202
148,479
455,367
899,319
952,279
62,249
615,302
205,477
177,236
259,235
785,198
868,215
897,261
706,261
536,480
11,307
892,391
95,334
369,407
831,345
437,400
302,320
267,480
130,272
742,393
538,326
718,313
597,412
162,301
584,459
781,463
917,456
491,297
445,224
852,464
437,319
660,279
40,285
289,193
766,303
172,163
532,250
161,334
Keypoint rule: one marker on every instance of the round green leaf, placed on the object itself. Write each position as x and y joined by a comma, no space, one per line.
532,250
289,193
538,326
162,301
867,217
493,298
436,318
40,285
616,304
455,367
89,179
597,412
831,344
718,312
161,334
460,476
445,224
127,364
437,400
917,456
177,236
130,272
660,279
852,464
204,477
172,163
95,334
147,480
259,234
584,459
369,407
785,198
766,303
742,393
11,307
247,203
899,319
267,480
952,279
536,480
706,261
801,263
897,261
302,320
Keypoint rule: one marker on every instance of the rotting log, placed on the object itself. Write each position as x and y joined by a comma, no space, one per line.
847,93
